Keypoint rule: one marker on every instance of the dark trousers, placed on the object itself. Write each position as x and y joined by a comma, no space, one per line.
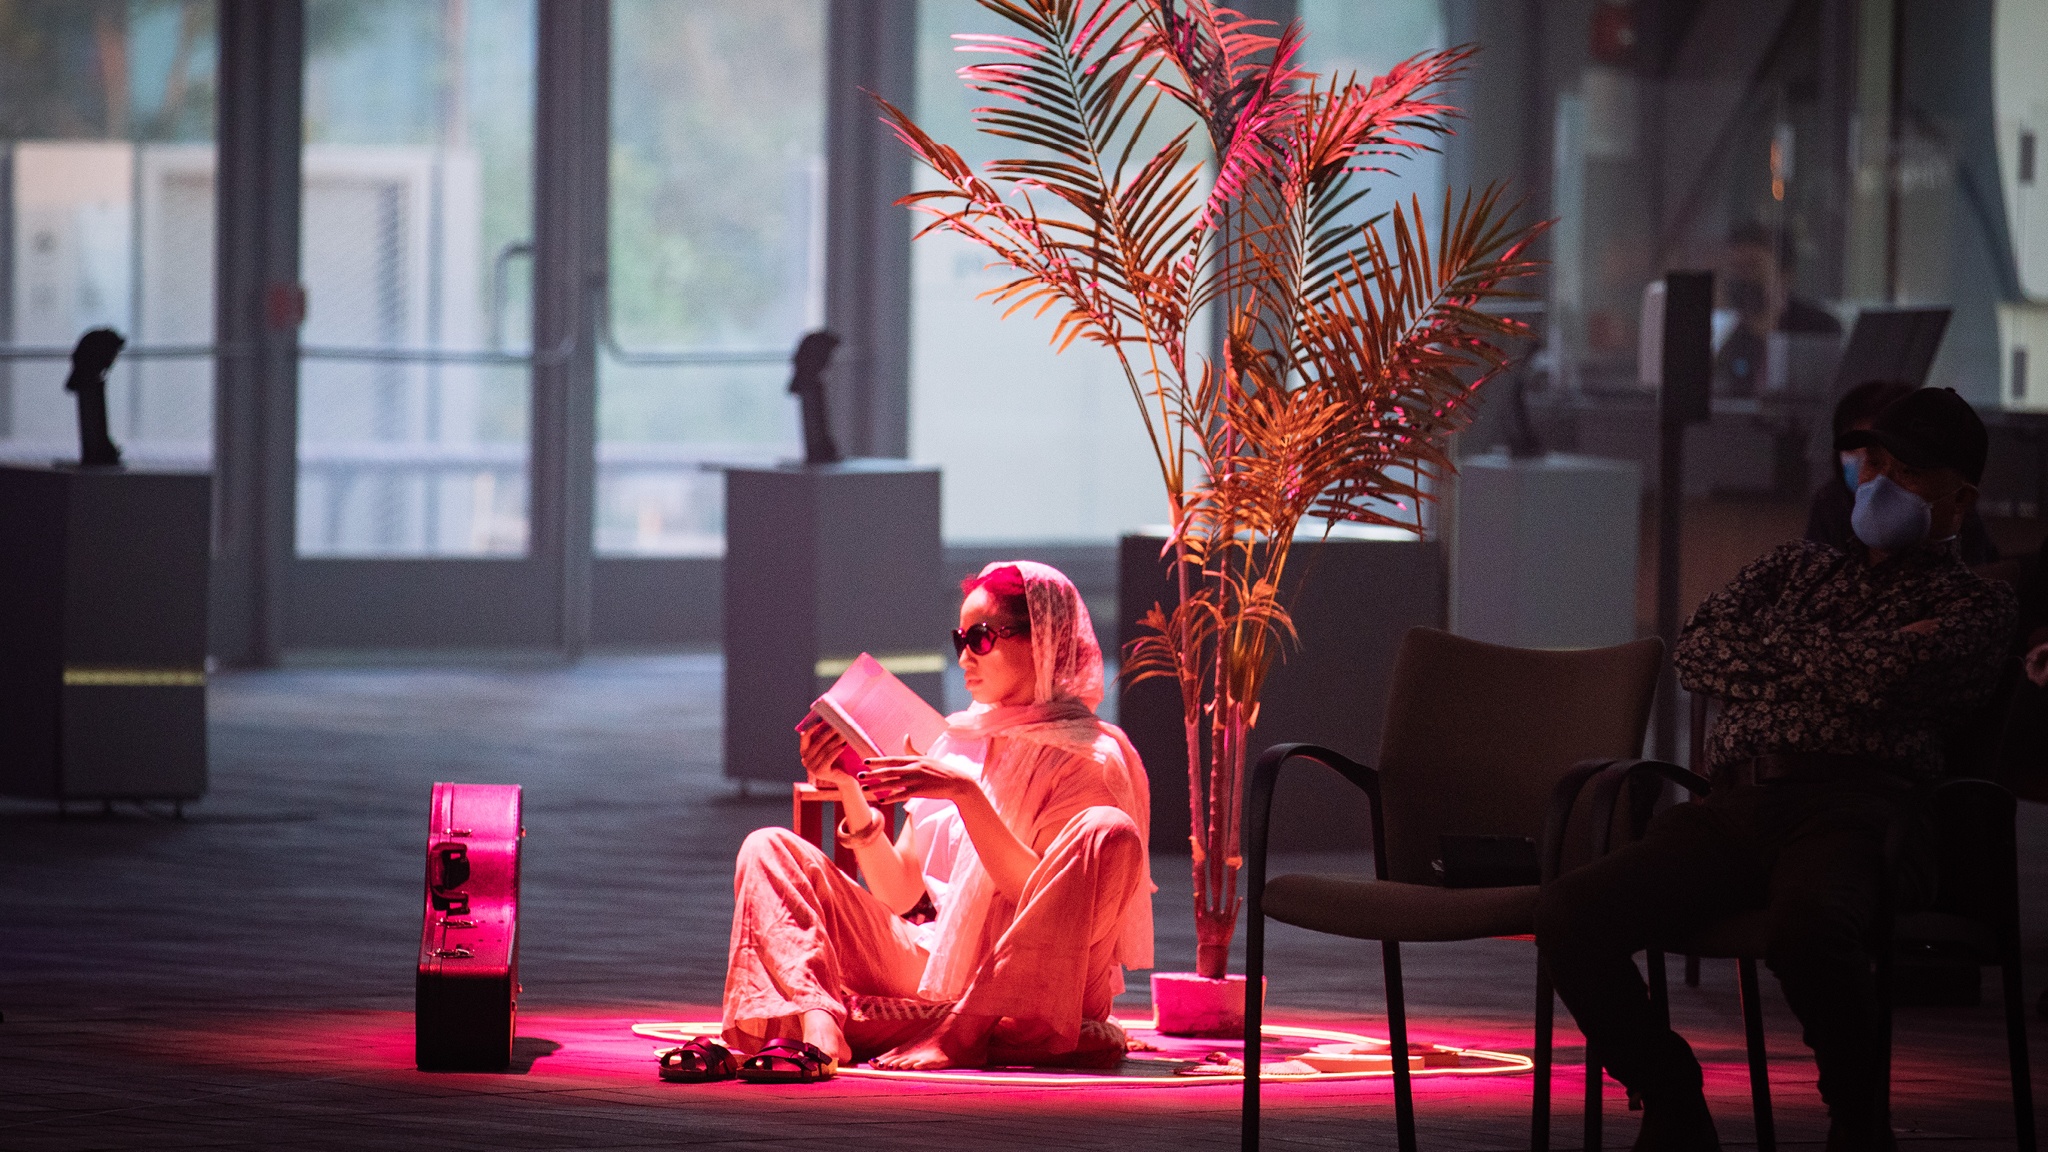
1813,854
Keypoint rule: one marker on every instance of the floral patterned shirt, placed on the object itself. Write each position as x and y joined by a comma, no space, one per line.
1805,650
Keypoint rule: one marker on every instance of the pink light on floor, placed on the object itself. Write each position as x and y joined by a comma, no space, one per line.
1170,1055
593,1052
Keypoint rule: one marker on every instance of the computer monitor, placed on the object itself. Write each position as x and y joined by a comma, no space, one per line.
1891,344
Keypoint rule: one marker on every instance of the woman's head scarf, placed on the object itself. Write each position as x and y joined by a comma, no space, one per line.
1068,660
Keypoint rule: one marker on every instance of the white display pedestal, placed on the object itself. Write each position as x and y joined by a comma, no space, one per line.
1545,552
823,563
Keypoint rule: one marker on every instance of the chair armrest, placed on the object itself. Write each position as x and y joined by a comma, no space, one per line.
1258,805
1976,852
1563,798
1618,774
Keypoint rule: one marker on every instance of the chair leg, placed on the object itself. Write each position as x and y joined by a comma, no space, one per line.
1596,1085
1660,996
2016,1044
1692,971
1539,1105
1759,1066
1884,1033
1397,1039
1254,1013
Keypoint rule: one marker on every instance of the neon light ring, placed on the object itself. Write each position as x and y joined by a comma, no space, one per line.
1325,1046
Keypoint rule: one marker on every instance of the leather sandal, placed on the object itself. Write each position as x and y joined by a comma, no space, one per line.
788,1062
697,1062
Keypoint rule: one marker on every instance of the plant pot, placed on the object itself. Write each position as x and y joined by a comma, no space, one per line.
1191,1005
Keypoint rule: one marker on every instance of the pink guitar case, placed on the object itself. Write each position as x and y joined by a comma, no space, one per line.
467,1002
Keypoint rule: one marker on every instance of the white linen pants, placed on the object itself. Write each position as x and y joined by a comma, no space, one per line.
804,936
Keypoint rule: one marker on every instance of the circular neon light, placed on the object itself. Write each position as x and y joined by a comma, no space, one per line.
1491,1063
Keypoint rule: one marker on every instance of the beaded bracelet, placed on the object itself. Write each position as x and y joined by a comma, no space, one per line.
865,836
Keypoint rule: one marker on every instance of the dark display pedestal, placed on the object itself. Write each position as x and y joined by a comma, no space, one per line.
103,633
1361,597
823,563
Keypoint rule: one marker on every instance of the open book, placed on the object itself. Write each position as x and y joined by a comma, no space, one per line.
876,713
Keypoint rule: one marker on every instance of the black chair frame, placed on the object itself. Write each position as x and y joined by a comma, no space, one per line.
1257,819
1996,907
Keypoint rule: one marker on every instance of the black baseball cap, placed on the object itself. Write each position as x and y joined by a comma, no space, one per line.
1927,428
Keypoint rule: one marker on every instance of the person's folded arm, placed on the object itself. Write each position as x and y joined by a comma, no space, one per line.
1724,651
1947,659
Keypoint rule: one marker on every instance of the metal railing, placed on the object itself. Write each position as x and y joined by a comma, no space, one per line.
140,352
707,357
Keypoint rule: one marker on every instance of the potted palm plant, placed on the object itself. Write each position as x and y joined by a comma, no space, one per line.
1174,160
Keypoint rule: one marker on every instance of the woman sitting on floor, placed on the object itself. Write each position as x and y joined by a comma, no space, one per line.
1026,830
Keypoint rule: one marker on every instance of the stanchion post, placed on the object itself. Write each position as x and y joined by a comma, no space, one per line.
1687,374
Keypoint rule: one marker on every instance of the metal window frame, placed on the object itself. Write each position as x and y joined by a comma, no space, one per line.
871,47
258,136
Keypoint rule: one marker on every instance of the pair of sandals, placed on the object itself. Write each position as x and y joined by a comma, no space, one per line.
778,1062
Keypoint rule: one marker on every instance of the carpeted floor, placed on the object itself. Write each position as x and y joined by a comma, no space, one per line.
243,978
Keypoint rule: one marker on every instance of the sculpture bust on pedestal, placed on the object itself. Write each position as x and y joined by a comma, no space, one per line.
90,361
807,383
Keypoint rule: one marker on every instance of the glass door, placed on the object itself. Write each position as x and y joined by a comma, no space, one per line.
716,266
415,374
716,263
416,208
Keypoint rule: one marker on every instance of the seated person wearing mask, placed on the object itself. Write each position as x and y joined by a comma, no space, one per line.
1827,517
1836,668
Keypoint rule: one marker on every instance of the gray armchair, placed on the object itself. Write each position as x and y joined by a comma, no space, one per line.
1480,740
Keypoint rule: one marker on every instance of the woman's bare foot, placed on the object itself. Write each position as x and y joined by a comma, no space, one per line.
958,1042
822,1032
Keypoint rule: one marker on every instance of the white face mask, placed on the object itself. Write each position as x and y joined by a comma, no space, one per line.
1888,517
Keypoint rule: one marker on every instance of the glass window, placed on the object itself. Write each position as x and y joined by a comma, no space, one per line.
106,219
1036,445
1347,38
416,211
1039,446
717,258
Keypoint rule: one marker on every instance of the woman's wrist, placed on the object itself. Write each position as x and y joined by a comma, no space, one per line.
975,806
853,804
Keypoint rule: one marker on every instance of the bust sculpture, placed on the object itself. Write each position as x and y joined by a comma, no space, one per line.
807,383
90,361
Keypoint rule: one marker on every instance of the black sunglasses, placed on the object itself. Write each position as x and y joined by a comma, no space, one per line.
982,637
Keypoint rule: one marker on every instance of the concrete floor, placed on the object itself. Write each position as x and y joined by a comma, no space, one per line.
243,978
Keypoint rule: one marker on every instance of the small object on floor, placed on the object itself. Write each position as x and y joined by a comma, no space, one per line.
697,1062
1374,1058
1224,1064
788,1062
1215,1064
